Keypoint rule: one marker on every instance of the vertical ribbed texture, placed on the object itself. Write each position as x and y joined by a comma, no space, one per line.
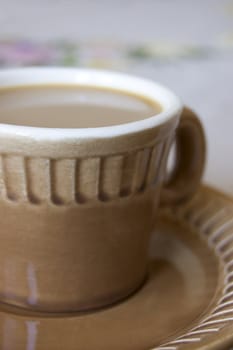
87,177
127,174
38,179
155,158
62,181
3,193
70,181
14,177
140,169
110,177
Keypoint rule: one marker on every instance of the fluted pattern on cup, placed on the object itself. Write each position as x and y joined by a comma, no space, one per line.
79,181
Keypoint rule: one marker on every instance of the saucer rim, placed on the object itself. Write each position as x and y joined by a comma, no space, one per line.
216,340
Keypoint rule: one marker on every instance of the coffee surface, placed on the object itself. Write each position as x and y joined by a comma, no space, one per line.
71,107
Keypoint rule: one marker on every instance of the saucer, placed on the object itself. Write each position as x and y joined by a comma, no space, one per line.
185,303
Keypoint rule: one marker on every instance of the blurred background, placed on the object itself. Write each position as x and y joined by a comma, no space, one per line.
186,45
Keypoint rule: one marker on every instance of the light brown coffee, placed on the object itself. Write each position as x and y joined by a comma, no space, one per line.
61,106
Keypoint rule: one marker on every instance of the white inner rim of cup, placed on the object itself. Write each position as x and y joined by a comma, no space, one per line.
142,88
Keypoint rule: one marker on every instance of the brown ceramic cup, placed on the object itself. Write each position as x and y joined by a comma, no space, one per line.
77,206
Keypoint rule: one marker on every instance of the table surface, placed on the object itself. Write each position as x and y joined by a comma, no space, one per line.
186,45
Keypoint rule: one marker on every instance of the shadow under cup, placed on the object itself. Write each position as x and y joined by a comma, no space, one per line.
78,205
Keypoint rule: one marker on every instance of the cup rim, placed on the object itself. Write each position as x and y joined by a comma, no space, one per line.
88,77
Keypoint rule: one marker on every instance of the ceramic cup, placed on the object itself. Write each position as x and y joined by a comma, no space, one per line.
78,205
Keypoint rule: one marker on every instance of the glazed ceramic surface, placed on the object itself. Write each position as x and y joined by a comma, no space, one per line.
186,302
77,205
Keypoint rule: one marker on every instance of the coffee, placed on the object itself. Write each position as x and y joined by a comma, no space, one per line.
61,106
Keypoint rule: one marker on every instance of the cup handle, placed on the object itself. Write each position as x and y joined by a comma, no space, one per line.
189,162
